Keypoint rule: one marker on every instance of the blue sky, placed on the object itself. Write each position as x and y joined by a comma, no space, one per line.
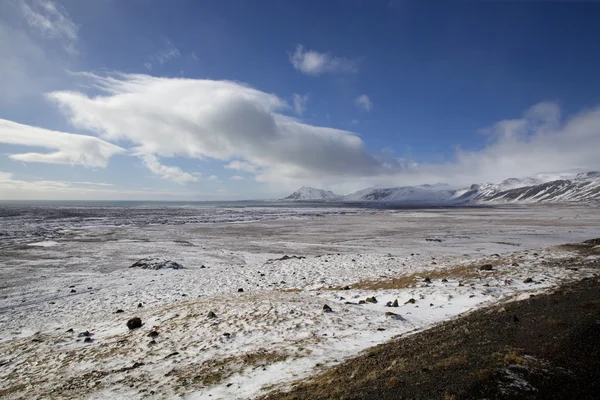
204,100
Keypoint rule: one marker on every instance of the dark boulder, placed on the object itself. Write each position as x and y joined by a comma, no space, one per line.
134,323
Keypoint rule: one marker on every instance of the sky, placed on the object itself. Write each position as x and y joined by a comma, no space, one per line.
240,99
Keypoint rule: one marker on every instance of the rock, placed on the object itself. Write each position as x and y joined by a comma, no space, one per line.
73,291
433,240
395,303
444,280
175,353
140,305
388,304
156,264
327,309
227,334
461,284
411,301
119,311
211,315
371,300
70,330
152,342
362,302
515,264
495,255
427,280
88,340
486,267
240,290
430,304
346,288
202,266
528,280
134,323
152,334
85,334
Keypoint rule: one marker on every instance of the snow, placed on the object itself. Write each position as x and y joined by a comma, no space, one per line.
277,330
45,243
308,193
540,188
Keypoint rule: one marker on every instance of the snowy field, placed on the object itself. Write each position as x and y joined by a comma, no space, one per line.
266,274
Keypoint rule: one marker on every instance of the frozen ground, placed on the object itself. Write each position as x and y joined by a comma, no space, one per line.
73,274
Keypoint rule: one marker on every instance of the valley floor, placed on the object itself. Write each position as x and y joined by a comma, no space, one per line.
438,264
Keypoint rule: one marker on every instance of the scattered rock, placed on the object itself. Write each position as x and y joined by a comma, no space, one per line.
411,301
211,315
152,334
202,266
88,340
486,267
515,264
528,280
362,302
430,304
73,291
70,330
119,311
388,304
427,280
433,240
461,284
175,353
134,323
240,290
371,300
395,303
156,264
85,334
327,309
227,334
152,342
444,280
495,255
140,305
381,329
346,288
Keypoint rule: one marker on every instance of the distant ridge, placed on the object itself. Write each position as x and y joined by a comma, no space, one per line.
540,188
307,193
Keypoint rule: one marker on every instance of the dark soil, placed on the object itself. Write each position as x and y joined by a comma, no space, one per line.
546,347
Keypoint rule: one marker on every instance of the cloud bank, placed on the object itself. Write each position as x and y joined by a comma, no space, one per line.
222,120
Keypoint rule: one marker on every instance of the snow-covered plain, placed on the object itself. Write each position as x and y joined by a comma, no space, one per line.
274,331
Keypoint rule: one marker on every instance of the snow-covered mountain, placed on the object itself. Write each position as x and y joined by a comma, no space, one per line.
583,187
408,194
540,188
308,193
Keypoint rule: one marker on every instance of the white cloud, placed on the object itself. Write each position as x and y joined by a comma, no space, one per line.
300,102
237,178
175,174
242,166
51,20
363,102
312,62
216,119
245,128
71,149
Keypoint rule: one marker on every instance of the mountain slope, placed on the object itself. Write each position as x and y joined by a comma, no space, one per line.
536,189
584,187
308,193
408,194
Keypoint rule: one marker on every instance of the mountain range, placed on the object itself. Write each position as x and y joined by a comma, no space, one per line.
540,188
